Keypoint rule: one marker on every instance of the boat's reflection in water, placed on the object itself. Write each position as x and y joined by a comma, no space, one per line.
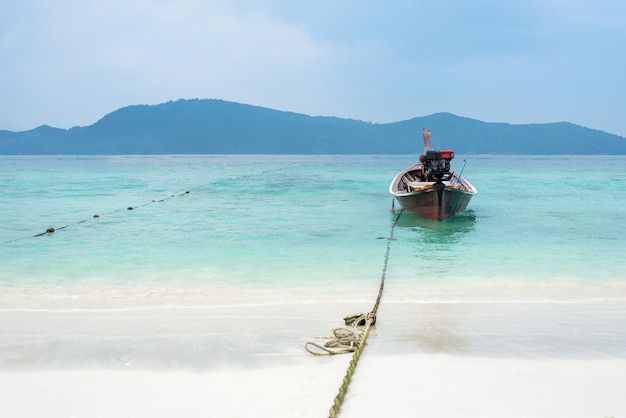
429,253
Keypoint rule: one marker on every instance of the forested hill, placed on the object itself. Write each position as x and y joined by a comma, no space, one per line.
211,126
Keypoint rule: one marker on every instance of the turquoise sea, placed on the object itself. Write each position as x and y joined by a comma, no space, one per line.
266,229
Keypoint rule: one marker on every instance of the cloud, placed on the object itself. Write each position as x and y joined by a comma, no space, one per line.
114,51
69,63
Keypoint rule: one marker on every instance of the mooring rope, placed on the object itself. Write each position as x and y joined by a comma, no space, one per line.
346,340
51,230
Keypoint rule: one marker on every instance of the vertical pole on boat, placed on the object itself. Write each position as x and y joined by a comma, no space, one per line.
426,136
460,172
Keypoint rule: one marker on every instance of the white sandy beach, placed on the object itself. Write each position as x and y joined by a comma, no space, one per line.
515,359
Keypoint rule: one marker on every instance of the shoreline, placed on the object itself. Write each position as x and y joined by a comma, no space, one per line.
173,295
189,336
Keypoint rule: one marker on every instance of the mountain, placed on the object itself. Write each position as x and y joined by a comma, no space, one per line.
209,126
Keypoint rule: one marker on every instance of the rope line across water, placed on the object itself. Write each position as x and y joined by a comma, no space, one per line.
346,340
51,230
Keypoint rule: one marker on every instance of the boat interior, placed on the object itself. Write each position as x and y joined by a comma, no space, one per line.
413,181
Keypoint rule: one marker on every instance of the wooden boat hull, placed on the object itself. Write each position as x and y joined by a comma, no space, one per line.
427,204
429,200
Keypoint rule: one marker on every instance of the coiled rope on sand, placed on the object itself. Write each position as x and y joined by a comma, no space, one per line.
352,339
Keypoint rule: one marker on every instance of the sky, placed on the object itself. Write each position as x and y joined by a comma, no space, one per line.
69,63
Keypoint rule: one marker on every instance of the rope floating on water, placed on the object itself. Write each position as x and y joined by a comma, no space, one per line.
51,230
346,340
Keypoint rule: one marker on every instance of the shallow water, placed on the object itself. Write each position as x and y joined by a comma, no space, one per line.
262,229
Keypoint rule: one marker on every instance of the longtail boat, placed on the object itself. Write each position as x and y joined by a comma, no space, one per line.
429,188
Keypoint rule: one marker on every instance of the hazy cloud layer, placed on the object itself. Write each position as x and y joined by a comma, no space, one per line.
66,63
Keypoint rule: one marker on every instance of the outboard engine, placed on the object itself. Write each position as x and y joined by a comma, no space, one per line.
437,164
